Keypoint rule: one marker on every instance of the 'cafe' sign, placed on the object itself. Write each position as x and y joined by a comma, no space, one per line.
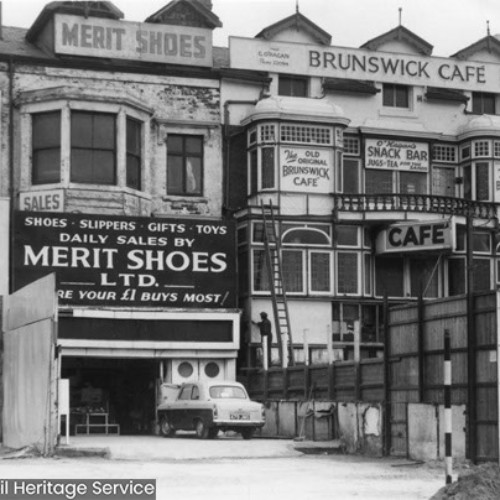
416,237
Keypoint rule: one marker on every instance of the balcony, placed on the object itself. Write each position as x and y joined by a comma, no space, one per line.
414,203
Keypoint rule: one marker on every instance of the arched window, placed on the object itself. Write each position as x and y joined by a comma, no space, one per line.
305,236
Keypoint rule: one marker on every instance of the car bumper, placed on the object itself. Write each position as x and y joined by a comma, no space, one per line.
238,423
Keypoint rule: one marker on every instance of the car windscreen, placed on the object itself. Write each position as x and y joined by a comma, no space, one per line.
227,392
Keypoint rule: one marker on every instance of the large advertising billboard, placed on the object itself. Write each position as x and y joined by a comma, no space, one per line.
123,261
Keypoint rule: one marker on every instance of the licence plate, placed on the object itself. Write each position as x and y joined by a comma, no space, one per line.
240,416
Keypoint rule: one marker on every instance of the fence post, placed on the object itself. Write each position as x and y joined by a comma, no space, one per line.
387,379
357,359
331,369
420,340
285,380
447,407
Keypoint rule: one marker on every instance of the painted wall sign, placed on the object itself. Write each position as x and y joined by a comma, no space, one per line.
96,37
104,260
360,64
416,237
42,201
306,169
397,155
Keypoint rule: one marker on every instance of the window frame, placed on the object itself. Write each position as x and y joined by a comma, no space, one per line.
292,81
185,156
390,96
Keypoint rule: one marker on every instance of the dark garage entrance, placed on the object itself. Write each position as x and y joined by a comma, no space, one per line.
111,395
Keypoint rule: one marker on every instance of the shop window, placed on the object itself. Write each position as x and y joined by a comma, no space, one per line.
443,181
412,183
395,96
378,182
456,276
134,153
350,176
212,369
345,316
293,270
347,272
46,147
424,278
351,146
389,276
184,165
483,103
291,85
481,242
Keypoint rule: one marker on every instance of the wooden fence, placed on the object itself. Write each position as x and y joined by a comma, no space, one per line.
411,371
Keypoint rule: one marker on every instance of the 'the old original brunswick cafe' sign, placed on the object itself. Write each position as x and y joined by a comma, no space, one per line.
104,260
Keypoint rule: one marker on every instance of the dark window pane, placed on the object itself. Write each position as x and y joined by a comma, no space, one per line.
292,86
194,145
81,130
424,277
103,163
401,97
267,168
388,95
481,242
456,277
133,136
174,175
389,276
305,237
46,130
347,235
293,270
104,136
260,272
133,172
351,176
320,272
483,103
378,182
253,172
193,175
174,144
395,95
46,166
347,272
413,183
81,162
482,275
482,181
467,183
133,169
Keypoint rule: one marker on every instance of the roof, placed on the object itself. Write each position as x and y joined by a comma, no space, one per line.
299,22
105,10
488,43
13,43
400,33
186,12
442,94
348,85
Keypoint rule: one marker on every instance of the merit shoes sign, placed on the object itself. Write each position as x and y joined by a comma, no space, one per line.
100,260
96,37
360,64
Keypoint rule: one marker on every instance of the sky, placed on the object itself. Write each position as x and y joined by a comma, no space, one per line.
448,25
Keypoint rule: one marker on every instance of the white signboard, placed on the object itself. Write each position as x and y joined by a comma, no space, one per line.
361,64
416,237
96,37
306,169
394,154
42,201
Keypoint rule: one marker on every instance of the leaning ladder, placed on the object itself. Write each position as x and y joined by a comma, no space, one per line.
277,285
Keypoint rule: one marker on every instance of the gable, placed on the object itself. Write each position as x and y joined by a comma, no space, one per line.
399,39
192,13
486,49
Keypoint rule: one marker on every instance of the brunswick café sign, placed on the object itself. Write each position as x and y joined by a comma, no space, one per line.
339,62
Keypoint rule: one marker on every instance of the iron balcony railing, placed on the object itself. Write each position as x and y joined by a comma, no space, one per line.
414,203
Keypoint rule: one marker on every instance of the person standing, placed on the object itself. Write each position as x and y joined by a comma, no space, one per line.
266,337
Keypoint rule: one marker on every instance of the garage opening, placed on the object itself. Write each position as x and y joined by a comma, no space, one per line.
111,396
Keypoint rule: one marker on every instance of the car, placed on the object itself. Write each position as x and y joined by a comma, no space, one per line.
208,407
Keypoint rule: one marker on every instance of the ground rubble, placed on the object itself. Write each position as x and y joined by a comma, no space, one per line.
478,482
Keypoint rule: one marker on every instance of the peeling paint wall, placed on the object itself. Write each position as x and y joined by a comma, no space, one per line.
189,106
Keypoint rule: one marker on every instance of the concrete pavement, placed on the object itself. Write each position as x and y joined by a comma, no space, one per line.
183,447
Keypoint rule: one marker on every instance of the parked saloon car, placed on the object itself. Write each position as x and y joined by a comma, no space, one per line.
207,407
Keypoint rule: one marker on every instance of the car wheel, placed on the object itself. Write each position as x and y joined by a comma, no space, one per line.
166,429
247,432
202,431
213,432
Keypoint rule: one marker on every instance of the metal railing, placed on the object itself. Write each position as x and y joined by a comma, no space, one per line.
419,203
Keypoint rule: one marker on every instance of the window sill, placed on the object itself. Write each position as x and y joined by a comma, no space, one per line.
397,112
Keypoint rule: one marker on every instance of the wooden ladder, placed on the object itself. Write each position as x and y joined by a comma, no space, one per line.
276,284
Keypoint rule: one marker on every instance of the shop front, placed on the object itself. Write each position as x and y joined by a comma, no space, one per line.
141,303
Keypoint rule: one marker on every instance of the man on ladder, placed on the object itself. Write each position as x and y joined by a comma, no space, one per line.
266,337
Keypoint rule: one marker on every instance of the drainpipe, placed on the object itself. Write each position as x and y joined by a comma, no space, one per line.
11,174
227,144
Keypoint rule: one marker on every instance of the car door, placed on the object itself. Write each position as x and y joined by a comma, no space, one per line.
179,418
